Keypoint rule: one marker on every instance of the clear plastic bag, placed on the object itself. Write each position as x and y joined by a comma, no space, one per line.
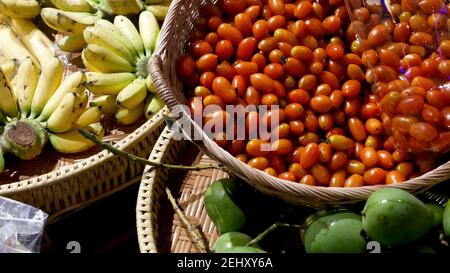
404,46
21,227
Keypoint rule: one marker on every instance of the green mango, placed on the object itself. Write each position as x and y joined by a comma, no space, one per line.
446,221
394,217
244,249
232,239
438,213
222,209
336,231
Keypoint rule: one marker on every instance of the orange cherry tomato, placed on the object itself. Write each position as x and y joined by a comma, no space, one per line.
309,156
228,32
394,177
222,88
243,23
405,168
287,176
357,129
385,160
355,167
282,146
256,147
341,143
259,163
207,62
185,66
262,82
338,179
351,88
354,180
308,180
337,161
246,48
224,50
369,157
246,69
320,174
375,176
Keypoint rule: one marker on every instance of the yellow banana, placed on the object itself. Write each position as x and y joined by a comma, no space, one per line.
20,8
66,114
8,102
106,103
122,7
49,81
8,65
89,116
160,10
106,60
27,80
34,39
149,31
111,31
125,116
73,142
71,43
72,5
72,84
108,84
88,64
12,46
150,84
68,21
95,35
152,106
127,29
133,94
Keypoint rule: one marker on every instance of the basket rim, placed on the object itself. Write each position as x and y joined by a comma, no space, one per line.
83,165
255,177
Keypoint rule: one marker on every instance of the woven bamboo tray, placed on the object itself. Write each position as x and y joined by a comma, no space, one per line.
159,228
173,36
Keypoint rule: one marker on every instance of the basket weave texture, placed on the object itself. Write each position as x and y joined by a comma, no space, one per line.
174,33
91,178
153,211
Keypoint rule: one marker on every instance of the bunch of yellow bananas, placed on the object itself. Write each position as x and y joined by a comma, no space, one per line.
45,106
73,16
23,9
117,56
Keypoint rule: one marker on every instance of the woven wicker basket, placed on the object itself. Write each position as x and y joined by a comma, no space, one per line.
172,41
91,178
153,209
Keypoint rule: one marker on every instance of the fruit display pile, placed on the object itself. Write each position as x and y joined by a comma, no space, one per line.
352,85
390,221
44,100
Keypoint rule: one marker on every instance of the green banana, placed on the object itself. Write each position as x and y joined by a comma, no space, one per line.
72,84
68,21
49,81
95,35
106,60
125,116
89,116
71,43
149,31
27,80
152,106
2,160
160,10
8,102
122,7
66,114
72,5
20,8
133,94
127,29
73,142
106,103
108,84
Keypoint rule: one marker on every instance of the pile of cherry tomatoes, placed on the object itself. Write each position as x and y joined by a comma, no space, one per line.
332,76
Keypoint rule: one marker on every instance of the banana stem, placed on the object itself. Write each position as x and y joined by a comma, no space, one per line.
268,231
144,161
193,231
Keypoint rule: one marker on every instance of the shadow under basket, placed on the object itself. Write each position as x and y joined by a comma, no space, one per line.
159,228
57,183
173,37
